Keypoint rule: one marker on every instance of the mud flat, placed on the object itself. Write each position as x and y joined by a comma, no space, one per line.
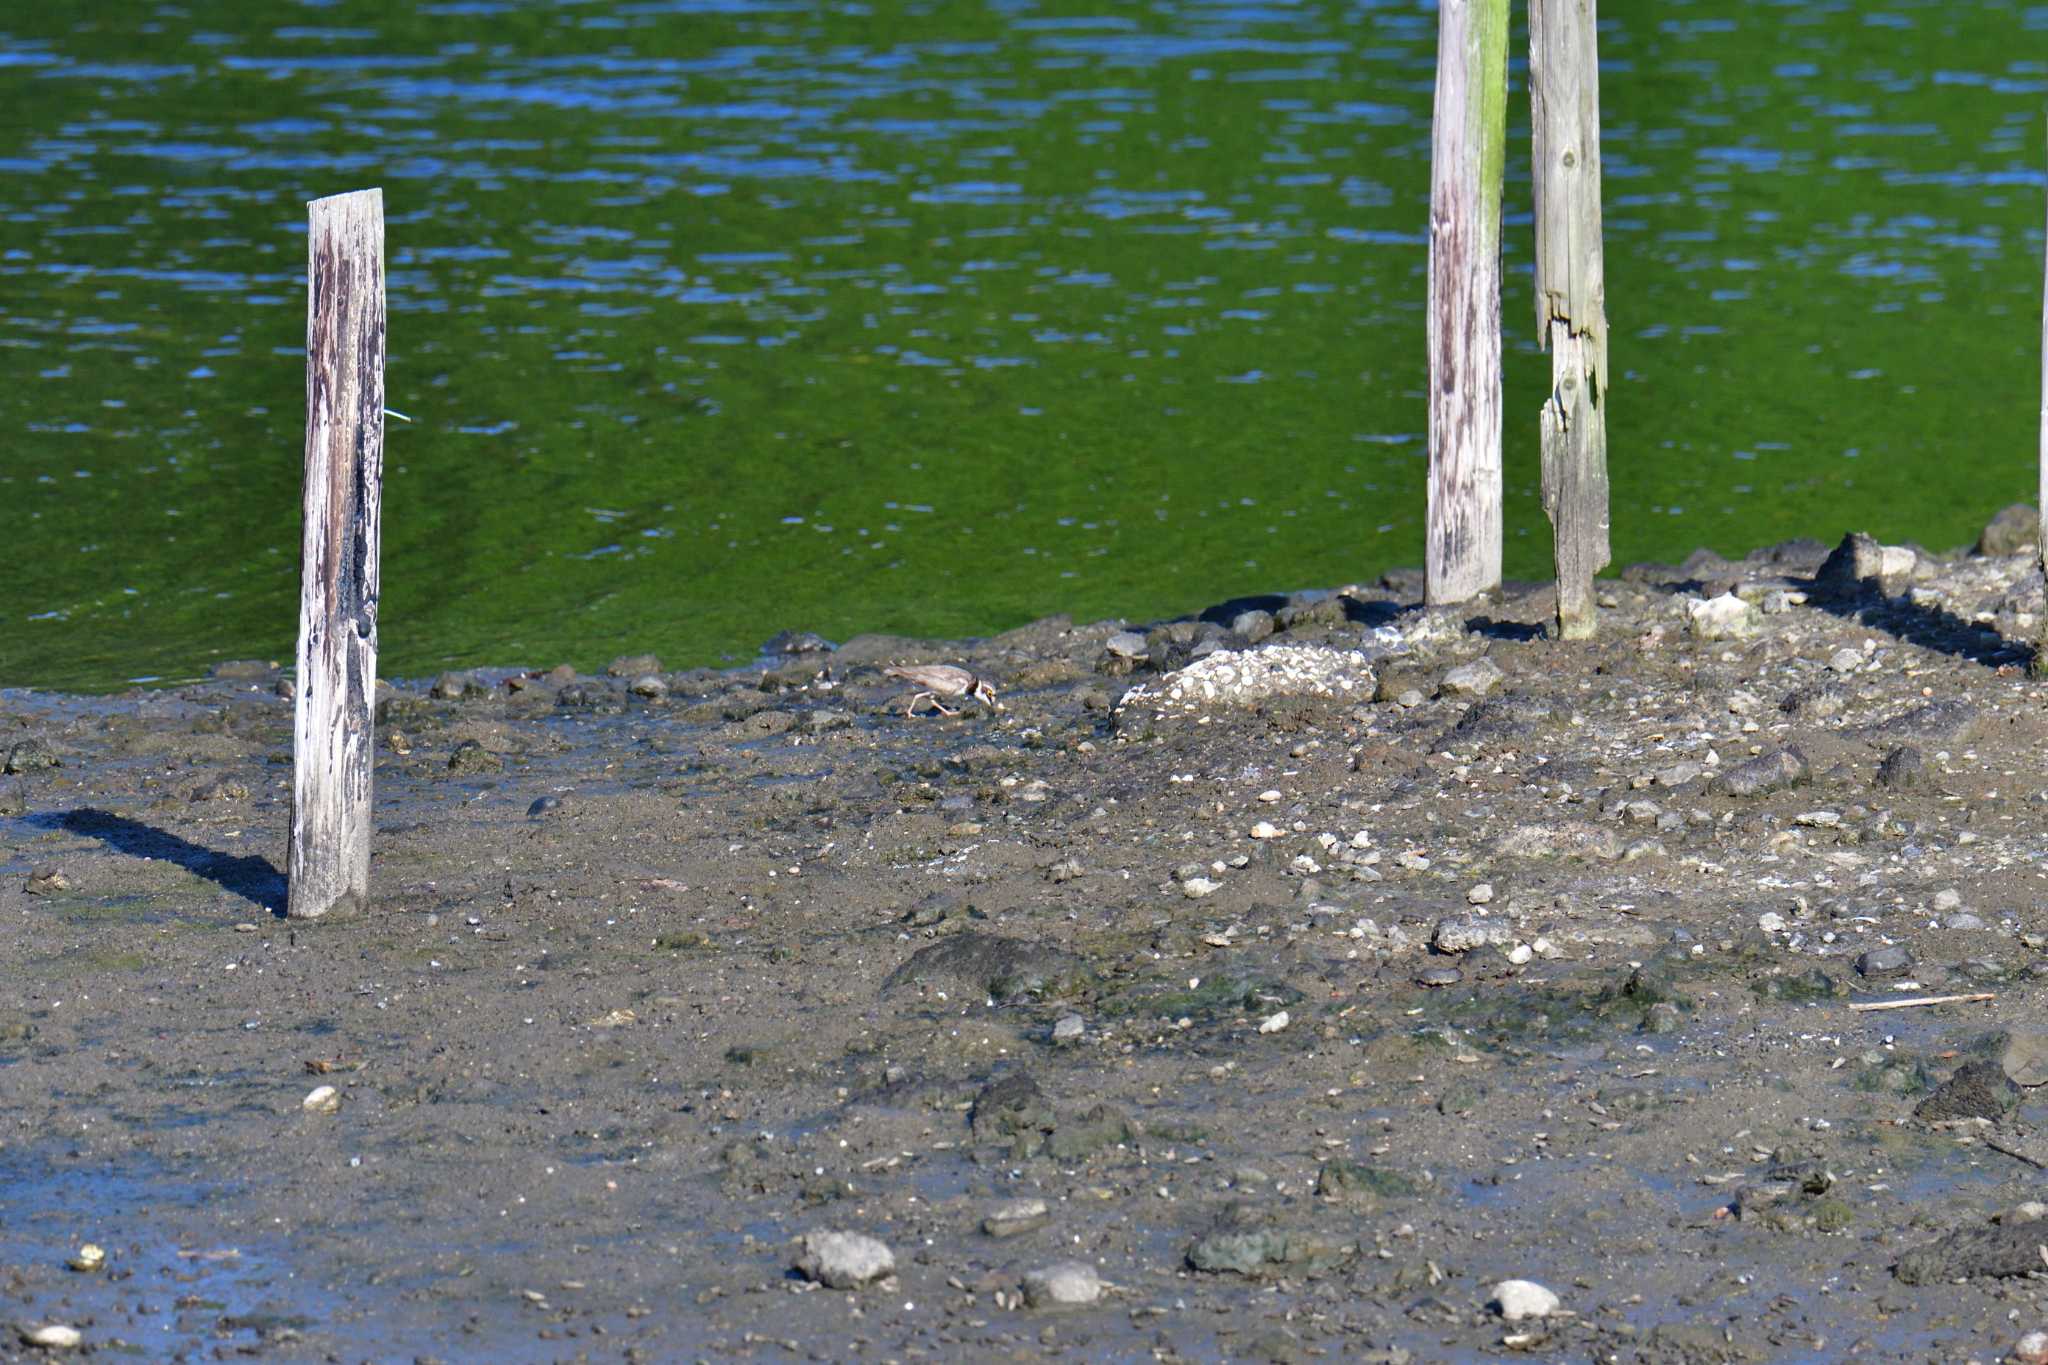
1121,1028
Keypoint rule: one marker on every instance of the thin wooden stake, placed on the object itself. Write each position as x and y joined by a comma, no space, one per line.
1919,1000
1571,297
337,678
1467,149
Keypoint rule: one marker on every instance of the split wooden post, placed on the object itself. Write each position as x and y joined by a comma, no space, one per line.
337,677
1467,146
1571,297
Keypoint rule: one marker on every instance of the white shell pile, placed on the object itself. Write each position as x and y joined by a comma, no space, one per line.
1237,678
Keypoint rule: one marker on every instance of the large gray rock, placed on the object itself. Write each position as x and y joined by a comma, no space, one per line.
2015,530
843,1260
1860,566
1067,1284
1767,772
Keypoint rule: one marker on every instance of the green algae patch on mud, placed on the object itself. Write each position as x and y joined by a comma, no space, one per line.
1216,996
1354,1182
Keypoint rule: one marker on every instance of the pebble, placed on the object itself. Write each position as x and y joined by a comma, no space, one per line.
649,685
1893,960
1947,899
1252,626
1519,1300
843,1260
46,879
1766,772
1902,768
1126,644
2024,1059
1678,774
1062,1285
1439,976
1065,870
1846,660
1464,934
1275,1022
2031,1349
1726,617
1194,888
1068,1028
321,1099
1771,922
1265,829
1014,1217
1475,679
1481,894
54,1336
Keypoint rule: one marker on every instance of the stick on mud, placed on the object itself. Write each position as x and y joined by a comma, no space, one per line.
337,673
1924,1000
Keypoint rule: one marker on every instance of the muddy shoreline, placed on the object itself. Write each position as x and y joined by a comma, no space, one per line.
1300,1022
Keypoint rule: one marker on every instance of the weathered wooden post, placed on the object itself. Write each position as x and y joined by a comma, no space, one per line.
1571,297
1468,142
337,678
2040,667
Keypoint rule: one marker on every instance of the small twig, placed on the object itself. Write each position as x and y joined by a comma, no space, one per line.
2013,1148
1923,1000
394,412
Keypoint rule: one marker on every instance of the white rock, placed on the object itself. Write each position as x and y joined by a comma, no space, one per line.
1194,888
1846,660
1947,899
1068,1027
1520,954
54,1336
844,1260
1771,922
1269,796
1517,1300
321,1099
1480,894
1064,1284
1274,1023
1239,677
1726,617
1265,829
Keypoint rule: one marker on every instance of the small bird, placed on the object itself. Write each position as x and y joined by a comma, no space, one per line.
944,680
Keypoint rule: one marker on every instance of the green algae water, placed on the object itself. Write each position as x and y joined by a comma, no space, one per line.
722,316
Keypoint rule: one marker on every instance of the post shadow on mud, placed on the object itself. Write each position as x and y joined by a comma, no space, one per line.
1846,582
1931,627
252,877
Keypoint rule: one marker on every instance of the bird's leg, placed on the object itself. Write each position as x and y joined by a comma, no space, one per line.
943,709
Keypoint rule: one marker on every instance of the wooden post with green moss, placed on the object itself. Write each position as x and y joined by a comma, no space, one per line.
1467,145
338,575
1571,297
